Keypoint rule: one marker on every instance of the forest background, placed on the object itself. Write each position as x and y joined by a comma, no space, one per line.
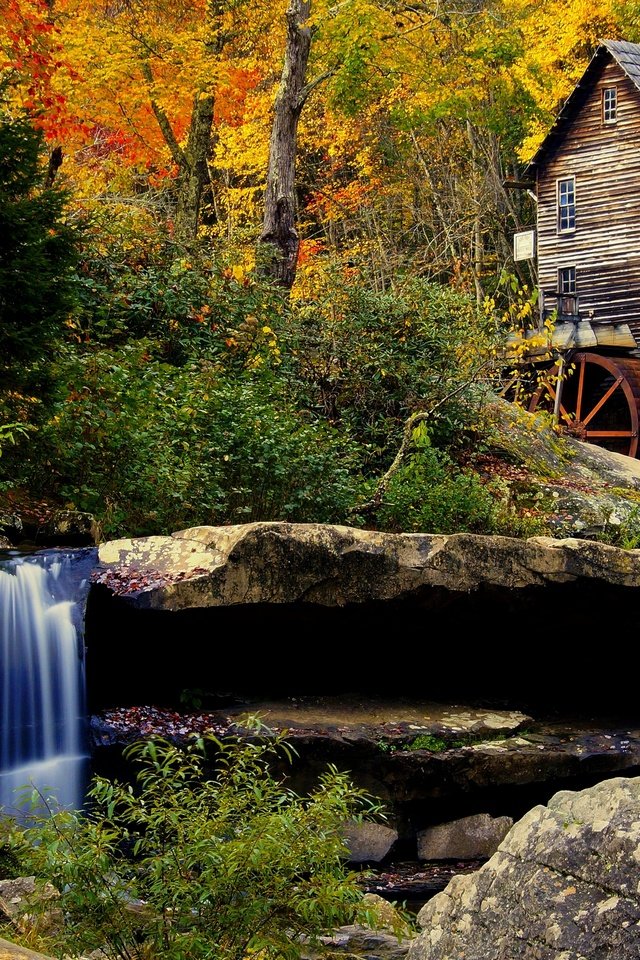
188,335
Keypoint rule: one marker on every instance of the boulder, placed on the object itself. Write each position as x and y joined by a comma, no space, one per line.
563,885
11,526
335,594
30,906
26,520
331,565
11,951
369,842
70,527
388,937
356,942
471,838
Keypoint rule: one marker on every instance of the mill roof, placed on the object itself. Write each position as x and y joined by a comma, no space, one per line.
625,54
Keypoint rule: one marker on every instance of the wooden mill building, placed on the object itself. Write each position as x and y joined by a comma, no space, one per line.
586,179
587,183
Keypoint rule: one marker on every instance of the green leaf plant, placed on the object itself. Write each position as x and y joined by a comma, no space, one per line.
207,854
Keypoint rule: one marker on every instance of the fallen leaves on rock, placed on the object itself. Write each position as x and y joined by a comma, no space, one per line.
33,510
128,580
126,724
416,881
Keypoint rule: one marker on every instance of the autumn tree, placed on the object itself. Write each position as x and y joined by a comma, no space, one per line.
558,40
191,157
153,83
403,154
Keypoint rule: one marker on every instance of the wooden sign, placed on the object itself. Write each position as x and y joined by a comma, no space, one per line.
524,245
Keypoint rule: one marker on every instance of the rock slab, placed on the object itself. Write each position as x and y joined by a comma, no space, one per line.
280,562
563,885
369,842
471,838
11,951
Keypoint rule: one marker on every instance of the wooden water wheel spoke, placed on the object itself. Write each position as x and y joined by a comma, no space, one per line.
592,434
602,402
580,389
598,399
552,393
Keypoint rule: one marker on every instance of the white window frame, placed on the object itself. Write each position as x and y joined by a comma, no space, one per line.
610,109
571,226
572,288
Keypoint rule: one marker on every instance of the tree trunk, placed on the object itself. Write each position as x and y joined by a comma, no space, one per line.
478,204
192,159
194,171
55,162
279,242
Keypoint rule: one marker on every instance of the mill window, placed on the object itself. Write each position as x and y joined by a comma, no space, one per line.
567,292
609,104
567,280
567,204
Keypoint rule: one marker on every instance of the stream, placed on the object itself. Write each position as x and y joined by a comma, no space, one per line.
44,751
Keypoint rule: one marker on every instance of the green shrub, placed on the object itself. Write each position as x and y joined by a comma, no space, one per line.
134,284
427,741
149,447
38,250
369,359
196,864
11,860
431,494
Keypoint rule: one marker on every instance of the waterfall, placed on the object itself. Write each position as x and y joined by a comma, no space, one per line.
43,742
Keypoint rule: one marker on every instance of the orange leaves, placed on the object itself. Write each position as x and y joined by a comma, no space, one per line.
308,250
159,177
201,315
127,76
232,94
347,199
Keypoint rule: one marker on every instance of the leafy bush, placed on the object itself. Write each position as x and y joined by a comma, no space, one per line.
38,251
134,284
11,859
431,494
368,359
196,865
150,447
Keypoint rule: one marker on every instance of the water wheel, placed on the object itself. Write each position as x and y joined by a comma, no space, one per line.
597,399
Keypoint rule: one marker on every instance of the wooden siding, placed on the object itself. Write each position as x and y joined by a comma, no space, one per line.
605,246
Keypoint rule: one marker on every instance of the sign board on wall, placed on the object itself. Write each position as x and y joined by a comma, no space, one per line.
524,245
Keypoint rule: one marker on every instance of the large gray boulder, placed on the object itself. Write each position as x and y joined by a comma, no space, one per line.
280,562
471,838
563,885
340,593
580,489
12,951
369,842
30,907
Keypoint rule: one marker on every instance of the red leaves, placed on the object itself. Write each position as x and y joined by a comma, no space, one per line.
132,723
129,580
30,40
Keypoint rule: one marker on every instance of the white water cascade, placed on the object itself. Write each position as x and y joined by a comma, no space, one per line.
42,700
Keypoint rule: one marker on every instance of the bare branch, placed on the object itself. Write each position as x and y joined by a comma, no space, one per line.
163,120
310,87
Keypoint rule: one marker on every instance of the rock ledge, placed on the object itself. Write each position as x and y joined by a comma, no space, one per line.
283,562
